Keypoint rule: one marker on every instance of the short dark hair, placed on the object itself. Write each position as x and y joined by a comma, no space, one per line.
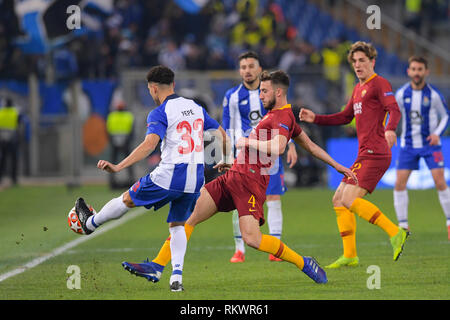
160,74
278,78
249,54
419,60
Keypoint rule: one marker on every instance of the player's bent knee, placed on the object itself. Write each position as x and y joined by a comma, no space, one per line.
251,241
127,200
337,201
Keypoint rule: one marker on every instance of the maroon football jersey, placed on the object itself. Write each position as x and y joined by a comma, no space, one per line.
255,164
370,104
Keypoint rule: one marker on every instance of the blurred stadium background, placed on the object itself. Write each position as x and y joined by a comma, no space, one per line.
66,82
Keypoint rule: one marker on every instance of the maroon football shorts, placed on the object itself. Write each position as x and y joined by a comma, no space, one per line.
369,172
234,190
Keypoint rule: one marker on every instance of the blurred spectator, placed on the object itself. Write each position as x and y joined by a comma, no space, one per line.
413,10
120,124
294,58
170,56
10,119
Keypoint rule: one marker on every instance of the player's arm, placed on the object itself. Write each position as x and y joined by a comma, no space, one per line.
225,141
306,143
140,152
291,154
340,118
274,146
441,107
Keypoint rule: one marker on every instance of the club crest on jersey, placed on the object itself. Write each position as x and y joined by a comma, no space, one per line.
363,93
425,101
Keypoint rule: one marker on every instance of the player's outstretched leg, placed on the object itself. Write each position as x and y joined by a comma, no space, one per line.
83,213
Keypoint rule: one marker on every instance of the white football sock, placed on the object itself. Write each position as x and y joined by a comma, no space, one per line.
114,209
178,245
238,242
444,199
401,201
275,218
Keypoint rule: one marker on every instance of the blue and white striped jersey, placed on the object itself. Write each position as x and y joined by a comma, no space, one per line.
242,111
424,112
180,123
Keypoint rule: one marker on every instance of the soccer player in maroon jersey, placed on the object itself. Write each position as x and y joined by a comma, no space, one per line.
372,99
243,186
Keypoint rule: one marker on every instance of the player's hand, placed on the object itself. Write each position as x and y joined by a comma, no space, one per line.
291,155
391,137
222,166
242,143
433,139
306,115
347,172
107,166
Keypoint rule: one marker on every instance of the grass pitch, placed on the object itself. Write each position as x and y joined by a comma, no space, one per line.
34,222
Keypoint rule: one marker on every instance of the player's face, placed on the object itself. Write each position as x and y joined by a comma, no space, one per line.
363,66
267,95
417,72
249,69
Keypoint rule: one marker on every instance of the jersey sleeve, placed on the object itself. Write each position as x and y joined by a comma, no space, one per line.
387,99
157,122
385,94
286,125
399,98
438,102
297,130
226,112
209,123
335,119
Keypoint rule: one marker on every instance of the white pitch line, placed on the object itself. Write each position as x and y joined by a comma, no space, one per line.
35,262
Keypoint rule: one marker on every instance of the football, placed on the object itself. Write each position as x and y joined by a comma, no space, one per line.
74,222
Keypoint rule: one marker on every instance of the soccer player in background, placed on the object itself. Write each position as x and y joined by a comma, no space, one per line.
425,117
243,186
372,99
179,124
242,111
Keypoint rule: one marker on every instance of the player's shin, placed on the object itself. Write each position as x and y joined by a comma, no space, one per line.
401,207
114,209
276,247
164,254
347,228
178,245
239,243
371,213
275,218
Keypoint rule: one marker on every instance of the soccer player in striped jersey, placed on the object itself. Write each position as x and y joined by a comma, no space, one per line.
425,117
179,124
242,111
372,99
